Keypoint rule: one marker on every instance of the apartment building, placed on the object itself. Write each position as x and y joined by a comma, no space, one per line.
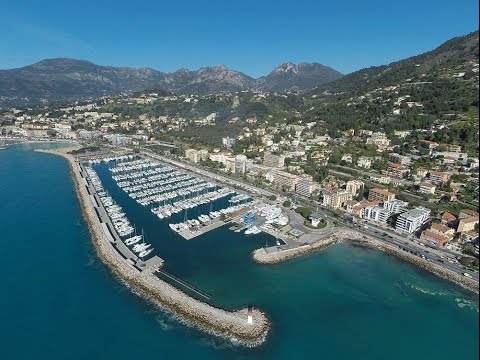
354,187
380,194
272,160
412,220
196,155
282,178
335,198
438,177
396,206
364,162
399,159
377,213
397,170
305,187
427,188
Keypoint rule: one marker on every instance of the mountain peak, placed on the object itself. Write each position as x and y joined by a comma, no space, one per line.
64,79
285,67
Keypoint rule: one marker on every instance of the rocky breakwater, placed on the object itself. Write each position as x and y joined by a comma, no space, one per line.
278,254
248,327
463,281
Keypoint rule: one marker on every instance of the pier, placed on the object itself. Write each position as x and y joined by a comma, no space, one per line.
189,234
228,324
184,284
109,230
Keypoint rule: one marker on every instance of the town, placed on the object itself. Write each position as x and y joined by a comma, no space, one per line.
399,181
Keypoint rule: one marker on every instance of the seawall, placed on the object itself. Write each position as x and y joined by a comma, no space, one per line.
226,324
263,256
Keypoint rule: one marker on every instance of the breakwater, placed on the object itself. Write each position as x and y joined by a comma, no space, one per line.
266,256
248,327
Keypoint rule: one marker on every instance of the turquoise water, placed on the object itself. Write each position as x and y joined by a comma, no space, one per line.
58,301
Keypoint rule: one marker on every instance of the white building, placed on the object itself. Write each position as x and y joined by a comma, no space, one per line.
242,164
364,162
355,186
412,220
427,188
396,206
347,158
228,141
305,187
376,213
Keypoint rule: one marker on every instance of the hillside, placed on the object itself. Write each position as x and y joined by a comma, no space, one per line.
55,80
458,54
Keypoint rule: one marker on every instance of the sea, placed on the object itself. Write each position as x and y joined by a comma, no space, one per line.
58,301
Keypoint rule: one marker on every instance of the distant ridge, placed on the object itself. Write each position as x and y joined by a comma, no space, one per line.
62,79
452,54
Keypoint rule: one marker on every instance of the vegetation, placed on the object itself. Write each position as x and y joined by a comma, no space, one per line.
304,211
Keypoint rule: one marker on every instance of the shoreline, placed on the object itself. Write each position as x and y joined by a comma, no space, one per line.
230,325
261,256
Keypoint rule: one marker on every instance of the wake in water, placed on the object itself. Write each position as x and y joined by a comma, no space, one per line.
428,291
465,303
461,303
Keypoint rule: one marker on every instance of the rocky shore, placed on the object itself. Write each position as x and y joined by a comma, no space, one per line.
263,256
231,325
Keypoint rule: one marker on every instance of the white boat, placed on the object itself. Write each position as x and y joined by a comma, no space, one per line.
141,247
133,240
145,253
252,230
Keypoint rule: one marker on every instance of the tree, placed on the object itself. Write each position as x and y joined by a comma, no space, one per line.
287,204
305,212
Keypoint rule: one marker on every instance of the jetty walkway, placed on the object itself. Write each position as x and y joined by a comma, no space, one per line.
247,326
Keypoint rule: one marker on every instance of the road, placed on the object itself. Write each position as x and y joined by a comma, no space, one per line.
442,257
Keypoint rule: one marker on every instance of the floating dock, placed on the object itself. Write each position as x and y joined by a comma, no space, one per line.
109,230
203,229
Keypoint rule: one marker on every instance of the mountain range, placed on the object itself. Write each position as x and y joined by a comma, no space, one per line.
63,79
459,53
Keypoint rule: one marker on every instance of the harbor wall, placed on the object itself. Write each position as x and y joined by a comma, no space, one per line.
263,256
226,324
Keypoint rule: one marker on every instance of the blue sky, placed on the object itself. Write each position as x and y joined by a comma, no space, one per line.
249,36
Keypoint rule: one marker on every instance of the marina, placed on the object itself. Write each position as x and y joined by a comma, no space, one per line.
115,223
168,193
146,275
217,267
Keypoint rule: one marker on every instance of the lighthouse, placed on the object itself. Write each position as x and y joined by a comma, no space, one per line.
250,316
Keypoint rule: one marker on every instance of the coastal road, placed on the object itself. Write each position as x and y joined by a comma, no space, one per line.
439,256
424,252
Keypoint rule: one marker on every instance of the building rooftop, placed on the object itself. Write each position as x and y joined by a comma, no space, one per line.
469,212
382,191
436,236
427,184
446,216
366,204
470,219
440,227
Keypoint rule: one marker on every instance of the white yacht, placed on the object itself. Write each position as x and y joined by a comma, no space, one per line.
145,253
